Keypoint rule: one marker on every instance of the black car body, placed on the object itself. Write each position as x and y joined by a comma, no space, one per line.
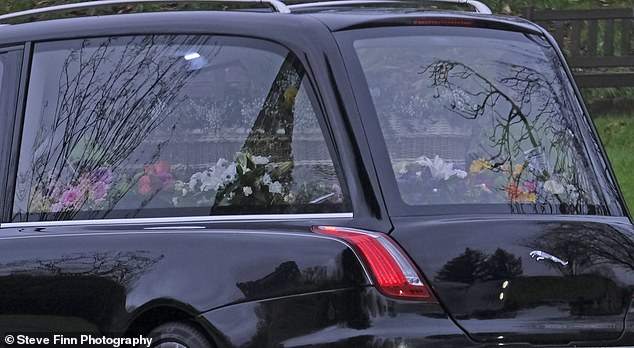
102,233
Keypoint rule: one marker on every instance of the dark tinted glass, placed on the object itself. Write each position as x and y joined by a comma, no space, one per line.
480,117
10,67
169,126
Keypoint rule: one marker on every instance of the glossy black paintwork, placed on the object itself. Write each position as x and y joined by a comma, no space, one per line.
99,282
343,318
469,259
264,284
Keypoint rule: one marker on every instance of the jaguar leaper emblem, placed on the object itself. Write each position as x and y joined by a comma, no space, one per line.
539,255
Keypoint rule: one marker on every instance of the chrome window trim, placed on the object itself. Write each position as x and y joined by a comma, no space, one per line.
189,219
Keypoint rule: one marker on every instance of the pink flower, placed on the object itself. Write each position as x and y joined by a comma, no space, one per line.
162,168
71,197
145,185
99,191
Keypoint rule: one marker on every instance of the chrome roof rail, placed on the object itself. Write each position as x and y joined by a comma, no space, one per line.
277,5
477,5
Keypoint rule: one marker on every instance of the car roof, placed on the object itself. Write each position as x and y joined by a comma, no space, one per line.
342,19
335,15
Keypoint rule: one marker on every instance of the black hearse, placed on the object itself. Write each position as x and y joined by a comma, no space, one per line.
335,174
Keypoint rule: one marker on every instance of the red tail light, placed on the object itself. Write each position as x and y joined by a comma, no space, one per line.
394,273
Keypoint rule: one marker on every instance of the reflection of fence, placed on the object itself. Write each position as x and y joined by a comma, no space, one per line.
201,151
598,43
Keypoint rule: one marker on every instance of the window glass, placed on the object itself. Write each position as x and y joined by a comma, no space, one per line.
170,126
10,66
480,117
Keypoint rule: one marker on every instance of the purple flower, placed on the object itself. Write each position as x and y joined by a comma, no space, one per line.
103,174
99,191
71,197
530,186
167,181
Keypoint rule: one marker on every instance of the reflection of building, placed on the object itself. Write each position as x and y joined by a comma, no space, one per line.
202,149
412,138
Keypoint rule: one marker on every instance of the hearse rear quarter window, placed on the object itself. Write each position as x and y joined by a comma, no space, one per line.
480,117
150,126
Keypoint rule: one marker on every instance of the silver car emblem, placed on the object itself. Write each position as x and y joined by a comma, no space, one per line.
540,255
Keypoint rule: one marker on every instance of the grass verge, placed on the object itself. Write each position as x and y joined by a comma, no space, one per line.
617,134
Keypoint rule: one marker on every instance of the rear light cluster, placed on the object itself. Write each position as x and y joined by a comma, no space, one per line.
393,272
460,22
442,21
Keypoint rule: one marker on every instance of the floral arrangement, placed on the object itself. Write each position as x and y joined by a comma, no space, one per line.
249,180
436,181
155,177
90,191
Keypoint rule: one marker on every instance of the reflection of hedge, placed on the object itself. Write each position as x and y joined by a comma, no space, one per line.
481,299
584,299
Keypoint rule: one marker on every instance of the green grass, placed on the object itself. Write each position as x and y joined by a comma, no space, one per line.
617,134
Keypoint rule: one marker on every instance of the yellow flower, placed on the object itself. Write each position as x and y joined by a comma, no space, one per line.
479,165
289,95
518,169
531,197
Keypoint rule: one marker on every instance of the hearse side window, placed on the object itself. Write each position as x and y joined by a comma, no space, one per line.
480,117
160,126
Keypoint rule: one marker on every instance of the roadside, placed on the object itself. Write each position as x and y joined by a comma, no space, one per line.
617,134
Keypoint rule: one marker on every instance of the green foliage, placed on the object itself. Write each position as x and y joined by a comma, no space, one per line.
617,134
516,7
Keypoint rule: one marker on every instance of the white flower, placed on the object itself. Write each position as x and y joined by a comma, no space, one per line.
573,193
210,180
400,167
260,160
554,187
220,163
266,179
56,208
247,191
214,178
230,172
440,170
275,187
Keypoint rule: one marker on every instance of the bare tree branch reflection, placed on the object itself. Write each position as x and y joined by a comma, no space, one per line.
586,247
111,98
531,128
124,267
